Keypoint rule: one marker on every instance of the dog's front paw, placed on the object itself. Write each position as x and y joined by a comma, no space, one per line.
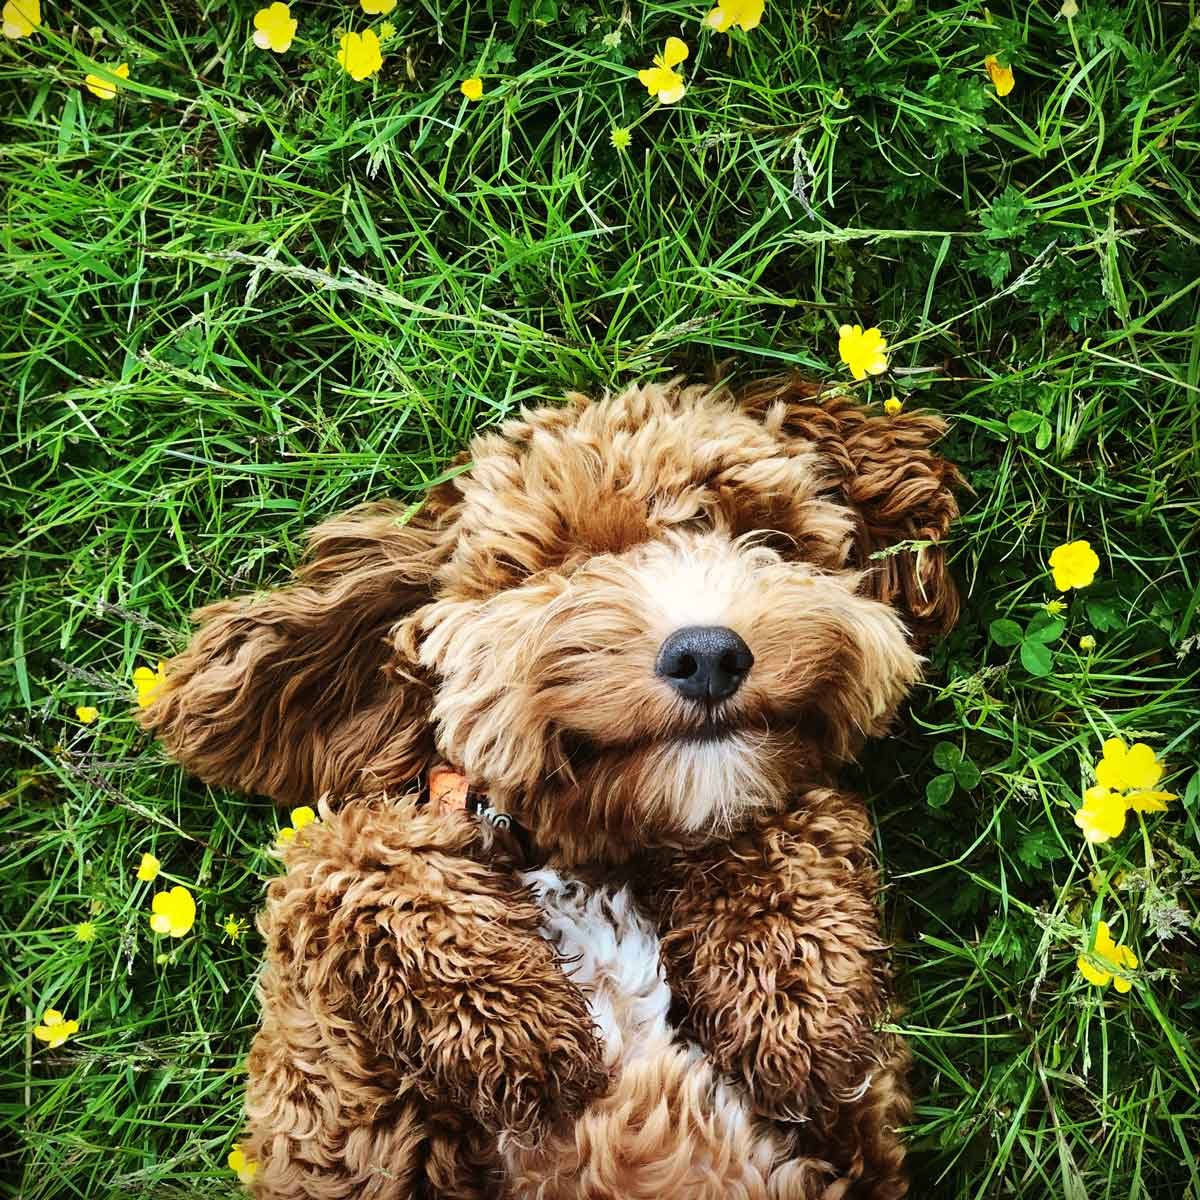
523,1061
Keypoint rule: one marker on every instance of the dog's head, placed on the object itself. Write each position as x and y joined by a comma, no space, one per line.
631,622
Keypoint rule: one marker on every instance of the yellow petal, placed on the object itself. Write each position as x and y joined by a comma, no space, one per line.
1142,769
672,94
378,8
86,714
160,923
21,18
1121,984
675,52
302,816
1001,77
1149,801
148,868
286,834
718,19
472,88
52,1017
1092,974
1101,817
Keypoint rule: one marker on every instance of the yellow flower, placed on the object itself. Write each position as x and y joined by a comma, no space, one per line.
1102,815
21,18
174,912
387,30
1113,959
234,928
1074,565
274,28
472,88
86,714
1054,607
1124,767
739,14
661,80
148,868
301,817
620,138
85,931
863,351
360,55
149,684
245,1168
1002,77
1087,642
378,8
54,1030
106,89
892,405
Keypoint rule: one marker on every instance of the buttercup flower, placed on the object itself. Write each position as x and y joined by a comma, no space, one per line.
301,817
234,928
173,912
148,868
244,1168
149,683
54,1030
892,405
1074,565
661,80
1001,77
274,28
377,8
86,714
620,138
472,88
1112,959
864,351
85,931
21,18
1102,815
1125,767
735,14
105,89
1087,642
360,54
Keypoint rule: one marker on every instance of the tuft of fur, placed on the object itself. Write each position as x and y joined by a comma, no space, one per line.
433,1025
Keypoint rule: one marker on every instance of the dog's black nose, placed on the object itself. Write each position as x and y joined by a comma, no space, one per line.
704,662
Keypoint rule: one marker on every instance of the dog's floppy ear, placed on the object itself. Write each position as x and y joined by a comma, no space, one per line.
299,691
898,488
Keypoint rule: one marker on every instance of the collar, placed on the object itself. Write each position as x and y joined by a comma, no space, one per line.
448,791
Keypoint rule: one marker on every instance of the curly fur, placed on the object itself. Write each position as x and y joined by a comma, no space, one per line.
434,1024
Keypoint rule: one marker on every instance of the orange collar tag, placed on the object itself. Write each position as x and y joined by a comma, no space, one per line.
447,790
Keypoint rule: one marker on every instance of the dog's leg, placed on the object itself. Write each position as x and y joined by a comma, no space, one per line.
406,977
325,1124
772,943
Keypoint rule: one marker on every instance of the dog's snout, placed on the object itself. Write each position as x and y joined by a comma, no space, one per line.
704,662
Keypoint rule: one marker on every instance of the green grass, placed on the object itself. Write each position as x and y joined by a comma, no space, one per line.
250,292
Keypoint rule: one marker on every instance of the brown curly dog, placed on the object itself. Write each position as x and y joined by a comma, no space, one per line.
646,630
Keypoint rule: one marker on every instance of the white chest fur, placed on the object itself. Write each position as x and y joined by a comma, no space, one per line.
669,1128
610,950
